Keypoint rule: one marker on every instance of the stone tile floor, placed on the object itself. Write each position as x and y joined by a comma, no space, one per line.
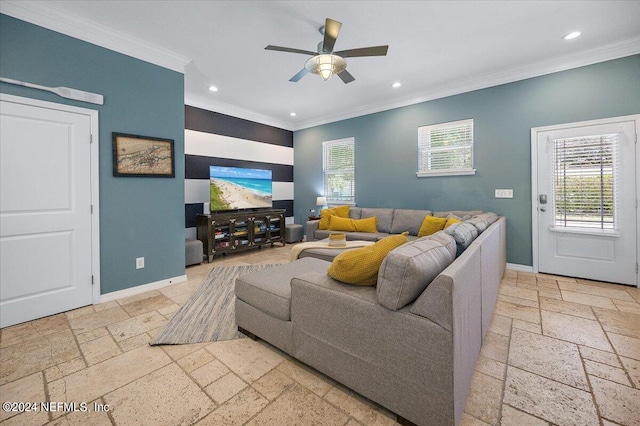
559,351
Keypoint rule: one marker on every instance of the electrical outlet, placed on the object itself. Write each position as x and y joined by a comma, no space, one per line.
139,262
504,193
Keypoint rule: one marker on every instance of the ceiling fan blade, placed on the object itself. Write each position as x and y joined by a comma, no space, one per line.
298,76
289,50
331,31
346,77
363,51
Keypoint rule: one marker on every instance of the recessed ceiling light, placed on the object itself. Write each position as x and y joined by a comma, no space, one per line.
293,114
572,35
396,84
213,88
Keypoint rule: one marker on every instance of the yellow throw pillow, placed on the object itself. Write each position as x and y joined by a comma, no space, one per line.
431,225
340,211
369,224
337,223
360,266
450,222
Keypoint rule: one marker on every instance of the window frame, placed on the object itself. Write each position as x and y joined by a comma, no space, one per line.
462,171
325,174
607,193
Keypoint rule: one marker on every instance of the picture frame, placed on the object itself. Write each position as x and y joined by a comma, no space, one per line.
142,156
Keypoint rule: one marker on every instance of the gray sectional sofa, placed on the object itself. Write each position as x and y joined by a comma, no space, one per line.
390,221
409,345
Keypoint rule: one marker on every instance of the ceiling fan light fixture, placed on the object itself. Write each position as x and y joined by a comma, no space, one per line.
324,62
325,66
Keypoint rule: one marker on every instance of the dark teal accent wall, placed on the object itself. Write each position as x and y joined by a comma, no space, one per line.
139,217
386,144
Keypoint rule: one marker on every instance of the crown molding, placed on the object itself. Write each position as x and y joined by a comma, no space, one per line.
199,101
43,15
562,63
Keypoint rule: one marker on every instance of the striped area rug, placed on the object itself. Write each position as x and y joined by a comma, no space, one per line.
209,315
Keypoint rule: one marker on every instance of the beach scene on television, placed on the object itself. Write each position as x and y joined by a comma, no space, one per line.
239,188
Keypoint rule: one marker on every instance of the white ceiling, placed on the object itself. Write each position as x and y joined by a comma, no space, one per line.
436,48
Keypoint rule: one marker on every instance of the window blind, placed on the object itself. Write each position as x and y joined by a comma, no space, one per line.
585,171
445,147
339,170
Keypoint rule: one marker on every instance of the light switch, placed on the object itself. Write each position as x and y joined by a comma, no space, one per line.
504,193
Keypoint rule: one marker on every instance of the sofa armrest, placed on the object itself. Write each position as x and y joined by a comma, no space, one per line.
312,227
454,300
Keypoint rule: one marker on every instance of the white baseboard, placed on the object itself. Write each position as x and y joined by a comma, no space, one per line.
108,297
519,268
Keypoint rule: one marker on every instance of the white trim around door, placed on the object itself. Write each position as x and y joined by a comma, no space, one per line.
535,133
95,199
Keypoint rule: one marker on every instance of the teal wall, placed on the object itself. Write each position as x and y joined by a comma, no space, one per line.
386,144
139,217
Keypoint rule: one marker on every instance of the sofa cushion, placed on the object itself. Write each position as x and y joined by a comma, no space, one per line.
360,266
355,212
463,233
341,211
483,221
270,289
408,270
408,220
385,217
337,223
431,225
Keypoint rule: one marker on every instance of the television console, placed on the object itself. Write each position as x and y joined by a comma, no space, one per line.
228,232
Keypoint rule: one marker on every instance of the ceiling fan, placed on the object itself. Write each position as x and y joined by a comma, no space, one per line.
325,62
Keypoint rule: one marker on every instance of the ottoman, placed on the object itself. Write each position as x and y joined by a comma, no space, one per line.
192,252
293,233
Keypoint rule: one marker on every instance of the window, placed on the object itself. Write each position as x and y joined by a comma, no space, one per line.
446,149
584,181
339,171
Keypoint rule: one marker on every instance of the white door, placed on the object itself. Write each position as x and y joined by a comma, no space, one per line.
586,200
45,212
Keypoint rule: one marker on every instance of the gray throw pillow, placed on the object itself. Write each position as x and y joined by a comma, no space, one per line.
483,221
463,233
407,270
385,216
462,214
408,220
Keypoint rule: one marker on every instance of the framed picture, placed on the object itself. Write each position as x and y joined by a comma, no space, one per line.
142,156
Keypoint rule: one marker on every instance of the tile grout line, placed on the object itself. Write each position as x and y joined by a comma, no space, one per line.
588,378
46,393
506,369
592,394
615,352
509,365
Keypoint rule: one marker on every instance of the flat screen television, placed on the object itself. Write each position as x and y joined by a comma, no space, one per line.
234,188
